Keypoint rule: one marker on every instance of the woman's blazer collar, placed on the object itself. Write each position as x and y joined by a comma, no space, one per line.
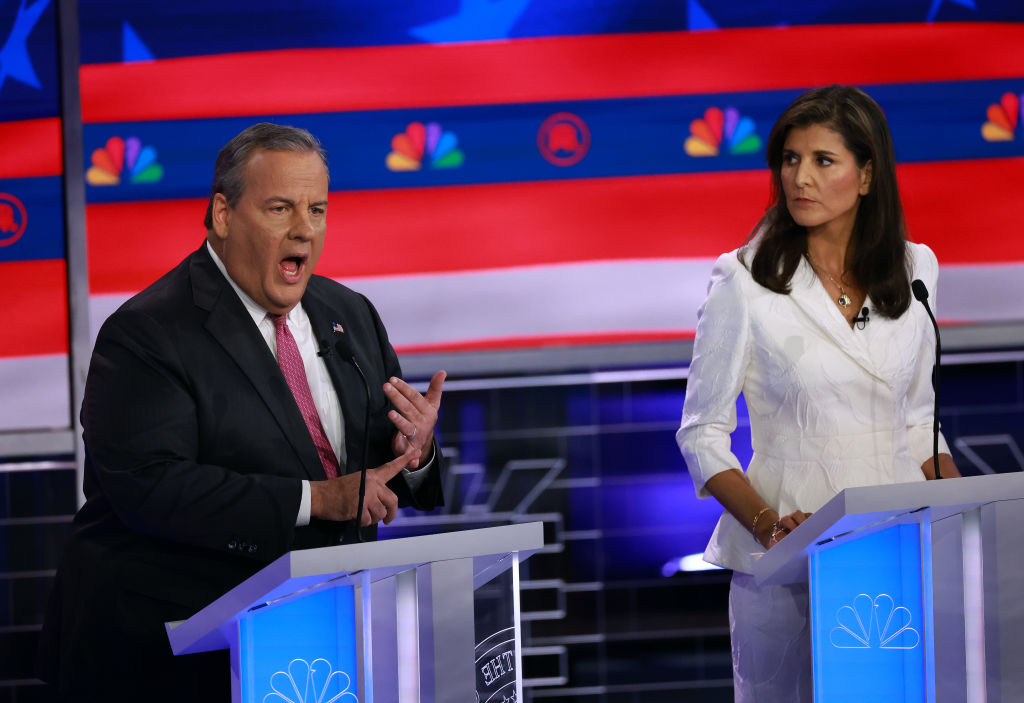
810,296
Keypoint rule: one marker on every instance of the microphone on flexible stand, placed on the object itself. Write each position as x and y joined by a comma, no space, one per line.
345,350
863,320
921,293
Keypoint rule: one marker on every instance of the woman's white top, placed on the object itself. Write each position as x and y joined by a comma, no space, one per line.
830,407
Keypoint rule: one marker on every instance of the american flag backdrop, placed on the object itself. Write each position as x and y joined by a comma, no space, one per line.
505,174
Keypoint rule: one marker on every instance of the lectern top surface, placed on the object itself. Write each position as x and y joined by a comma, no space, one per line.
862,508
312,569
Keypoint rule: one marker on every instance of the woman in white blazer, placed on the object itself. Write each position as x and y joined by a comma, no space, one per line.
834,400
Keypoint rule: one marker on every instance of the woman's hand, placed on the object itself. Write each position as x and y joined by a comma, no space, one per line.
773,532
947,467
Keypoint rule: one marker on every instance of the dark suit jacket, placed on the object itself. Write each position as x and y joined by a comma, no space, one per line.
195,451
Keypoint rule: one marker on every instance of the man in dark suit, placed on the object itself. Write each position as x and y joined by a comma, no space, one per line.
224,426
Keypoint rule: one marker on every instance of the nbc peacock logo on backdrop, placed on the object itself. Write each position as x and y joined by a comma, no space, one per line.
123,160
722,131
1003,118
424,145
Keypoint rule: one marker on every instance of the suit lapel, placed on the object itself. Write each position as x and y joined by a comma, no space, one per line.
231,325
328,324
813,300
888,340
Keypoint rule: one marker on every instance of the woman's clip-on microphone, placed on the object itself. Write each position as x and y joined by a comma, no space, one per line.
862,321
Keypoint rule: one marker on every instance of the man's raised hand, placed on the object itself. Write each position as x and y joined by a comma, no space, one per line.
338,498
414,416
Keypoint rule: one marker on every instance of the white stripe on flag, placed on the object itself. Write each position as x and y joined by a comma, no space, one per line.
36,393
600,297
981,293
592,297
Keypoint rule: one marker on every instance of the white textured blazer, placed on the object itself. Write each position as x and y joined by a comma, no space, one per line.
830,407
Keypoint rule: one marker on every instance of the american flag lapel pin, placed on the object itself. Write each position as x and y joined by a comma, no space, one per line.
337,327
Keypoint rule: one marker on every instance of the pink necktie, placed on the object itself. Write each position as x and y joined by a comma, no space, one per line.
290,361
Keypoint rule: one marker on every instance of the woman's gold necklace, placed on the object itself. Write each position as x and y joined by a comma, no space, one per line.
844,300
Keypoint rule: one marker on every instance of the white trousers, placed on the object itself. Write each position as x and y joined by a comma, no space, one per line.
770,628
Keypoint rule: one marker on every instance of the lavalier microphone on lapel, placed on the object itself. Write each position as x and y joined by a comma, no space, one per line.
862,321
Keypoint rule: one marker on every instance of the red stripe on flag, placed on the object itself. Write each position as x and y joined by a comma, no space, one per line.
31,148
35,300
547,69
460,228
966,210
568,339
466,228
130,245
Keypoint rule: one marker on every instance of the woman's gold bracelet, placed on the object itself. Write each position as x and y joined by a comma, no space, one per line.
753,526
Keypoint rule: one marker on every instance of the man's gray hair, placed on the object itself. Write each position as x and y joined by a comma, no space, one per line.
229,171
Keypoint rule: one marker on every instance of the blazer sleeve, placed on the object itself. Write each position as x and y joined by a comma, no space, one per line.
142,430
921,395
721,354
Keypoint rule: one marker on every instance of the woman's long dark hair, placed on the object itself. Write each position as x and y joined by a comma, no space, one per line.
877,254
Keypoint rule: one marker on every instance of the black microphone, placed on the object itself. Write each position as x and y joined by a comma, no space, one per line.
345,350
863,320
921,293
